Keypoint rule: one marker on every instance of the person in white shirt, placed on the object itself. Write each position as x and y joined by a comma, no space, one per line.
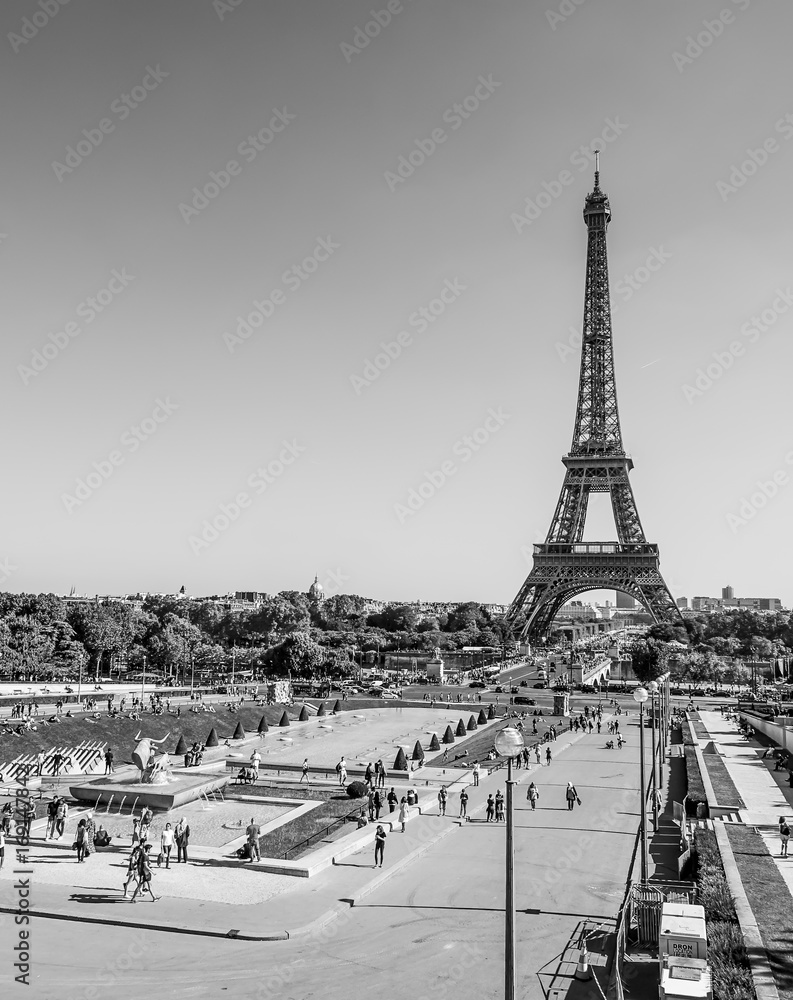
166,844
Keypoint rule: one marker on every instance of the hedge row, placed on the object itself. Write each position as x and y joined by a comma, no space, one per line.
729,963
694,783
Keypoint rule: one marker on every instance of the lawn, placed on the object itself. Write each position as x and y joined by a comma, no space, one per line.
284,839
120,733
723,785
770,900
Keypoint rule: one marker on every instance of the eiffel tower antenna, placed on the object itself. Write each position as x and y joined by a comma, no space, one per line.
565,565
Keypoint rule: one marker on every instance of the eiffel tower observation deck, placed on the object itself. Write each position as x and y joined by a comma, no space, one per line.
566,565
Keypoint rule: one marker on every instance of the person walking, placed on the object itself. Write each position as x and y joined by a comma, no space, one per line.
52,810
132,866
2,847
341,770
166,844
442,797
40,763
404,812
548,756
61,815
571,795
490,809
476,774
784,836
463,803
304,772
181,836
537,753
144,874
382,775
109,760
254,832
378,804
370,805
256,759
379,846
532,794
392,800
499,806
368,775
79,841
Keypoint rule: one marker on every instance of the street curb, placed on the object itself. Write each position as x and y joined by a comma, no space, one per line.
764,984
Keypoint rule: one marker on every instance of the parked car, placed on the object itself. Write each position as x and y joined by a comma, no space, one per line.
541,684
523,700
477,684
500,690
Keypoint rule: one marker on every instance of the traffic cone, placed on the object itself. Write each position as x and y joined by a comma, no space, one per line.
582,970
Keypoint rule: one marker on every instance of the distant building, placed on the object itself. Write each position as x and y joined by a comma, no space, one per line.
316,592
682,602
727,593
625,601
251,596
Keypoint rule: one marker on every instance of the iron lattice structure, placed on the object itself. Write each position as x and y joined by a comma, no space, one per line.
565,565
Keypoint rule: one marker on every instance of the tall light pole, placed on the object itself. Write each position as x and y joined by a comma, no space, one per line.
508,743
640,695
652,687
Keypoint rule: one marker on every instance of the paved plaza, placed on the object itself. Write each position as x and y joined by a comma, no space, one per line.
440,894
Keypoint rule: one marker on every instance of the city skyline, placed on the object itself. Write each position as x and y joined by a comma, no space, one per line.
260,276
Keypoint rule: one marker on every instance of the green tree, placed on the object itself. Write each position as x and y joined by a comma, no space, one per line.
649,659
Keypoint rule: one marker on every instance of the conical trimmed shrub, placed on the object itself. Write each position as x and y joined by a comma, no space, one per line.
321,710
482,720
401,762
448,736
491,711
337,707
460,731
418,752
181,747
303,717
471,724
284,719
263,727
212,739
239,732
434,742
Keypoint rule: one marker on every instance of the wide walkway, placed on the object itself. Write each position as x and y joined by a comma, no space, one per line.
432,916
765,799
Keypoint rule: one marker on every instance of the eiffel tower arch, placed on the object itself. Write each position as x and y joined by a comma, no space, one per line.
564,565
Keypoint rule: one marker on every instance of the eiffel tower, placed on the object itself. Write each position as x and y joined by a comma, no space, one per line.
565,565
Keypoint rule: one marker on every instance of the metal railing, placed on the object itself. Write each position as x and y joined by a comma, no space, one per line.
320,834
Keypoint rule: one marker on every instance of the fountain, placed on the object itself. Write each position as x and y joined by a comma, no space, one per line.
158,787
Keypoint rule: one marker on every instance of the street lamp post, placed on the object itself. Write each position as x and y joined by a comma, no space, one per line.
640,695
508,743
652,687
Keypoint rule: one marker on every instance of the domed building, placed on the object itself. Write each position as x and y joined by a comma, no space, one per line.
315,591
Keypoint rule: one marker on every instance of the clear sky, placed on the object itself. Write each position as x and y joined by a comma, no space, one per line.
129,431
